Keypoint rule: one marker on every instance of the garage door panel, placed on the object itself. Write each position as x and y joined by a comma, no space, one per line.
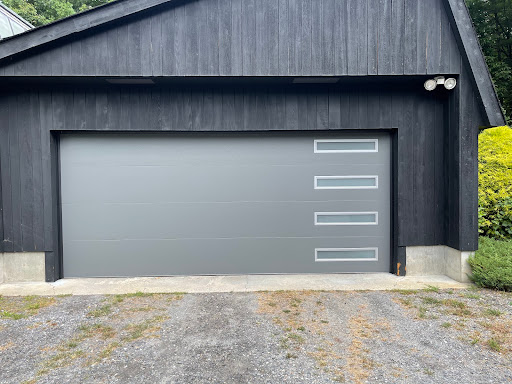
179,150
214,256
207,184
136,205
192,220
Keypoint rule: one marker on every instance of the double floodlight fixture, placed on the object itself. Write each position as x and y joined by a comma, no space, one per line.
432,84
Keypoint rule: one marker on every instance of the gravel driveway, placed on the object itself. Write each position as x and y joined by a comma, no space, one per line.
428,336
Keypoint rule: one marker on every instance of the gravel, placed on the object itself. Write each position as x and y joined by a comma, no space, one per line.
280,337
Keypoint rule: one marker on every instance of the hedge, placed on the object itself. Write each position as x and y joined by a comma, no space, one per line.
495,183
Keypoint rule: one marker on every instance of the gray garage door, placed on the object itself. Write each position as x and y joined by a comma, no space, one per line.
153,204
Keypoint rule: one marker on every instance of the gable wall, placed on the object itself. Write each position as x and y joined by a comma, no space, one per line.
259,38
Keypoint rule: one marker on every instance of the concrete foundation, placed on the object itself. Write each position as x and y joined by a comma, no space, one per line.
22,267
438,260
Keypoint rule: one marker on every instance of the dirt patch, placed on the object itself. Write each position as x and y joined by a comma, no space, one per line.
115,322
477,316
17,308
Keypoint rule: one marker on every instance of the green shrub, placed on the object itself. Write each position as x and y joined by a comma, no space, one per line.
492,264
495,183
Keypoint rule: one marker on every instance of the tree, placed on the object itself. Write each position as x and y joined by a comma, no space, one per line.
41,12
493,22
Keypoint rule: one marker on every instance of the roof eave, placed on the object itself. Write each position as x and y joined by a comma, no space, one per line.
471,50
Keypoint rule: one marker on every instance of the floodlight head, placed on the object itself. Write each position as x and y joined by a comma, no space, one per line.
450,83
430,84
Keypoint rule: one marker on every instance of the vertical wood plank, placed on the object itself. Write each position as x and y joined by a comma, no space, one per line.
26,195
328,17
225,37
146,48
423,20
134,48
306,41
14,162
316,37
434,37
192,12
360,26
5,174
37,173
340,37
249,37
156,41
373,38
175,21
397,36
283,37
385,35
411,40
46,114
236,38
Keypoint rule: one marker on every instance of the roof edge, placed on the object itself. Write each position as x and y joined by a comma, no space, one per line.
473,55
74,24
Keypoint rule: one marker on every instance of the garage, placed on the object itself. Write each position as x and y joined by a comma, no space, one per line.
184,204
224,137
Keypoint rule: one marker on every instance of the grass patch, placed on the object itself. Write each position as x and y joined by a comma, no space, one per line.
16,308
422,312
492,312
405,292
102,311
492,264
474,296
137,331
431,301
494,344
431,288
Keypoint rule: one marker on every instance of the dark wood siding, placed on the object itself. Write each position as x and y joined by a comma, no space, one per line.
26,155
258,38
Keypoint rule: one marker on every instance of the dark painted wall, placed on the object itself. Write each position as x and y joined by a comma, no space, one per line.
259,38
436,150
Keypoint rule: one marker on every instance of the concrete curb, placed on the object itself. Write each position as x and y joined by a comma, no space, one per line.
245,283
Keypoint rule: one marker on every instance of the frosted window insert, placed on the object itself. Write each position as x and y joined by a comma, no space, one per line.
346,182
346,145
346,218
346,254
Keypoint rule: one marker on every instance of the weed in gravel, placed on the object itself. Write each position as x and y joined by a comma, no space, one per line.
296,338
431,288
16,308
474,296
431,301
59,360
405,292
286,311
291,356
107,351
301,328
422,312
11,315
136,331
105,310
492,312
406,302
428,372
446,324
494,344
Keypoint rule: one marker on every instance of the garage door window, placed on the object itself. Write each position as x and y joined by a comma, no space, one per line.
346,218
346,145
346,254
346,182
